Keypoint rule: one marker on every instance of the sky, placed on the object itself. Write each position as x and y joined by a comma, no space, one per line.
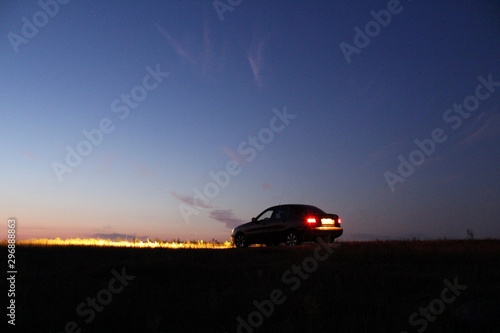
183,119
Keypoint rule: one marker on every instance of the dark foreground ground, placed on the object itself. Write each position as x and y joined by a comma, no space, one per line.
413,286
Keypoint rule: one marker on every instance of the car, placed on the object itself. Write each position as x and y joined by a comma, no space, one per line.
291,224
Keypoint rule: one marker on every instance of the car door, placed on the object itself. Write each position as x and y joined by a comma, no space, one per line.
269,225
260,225
278,224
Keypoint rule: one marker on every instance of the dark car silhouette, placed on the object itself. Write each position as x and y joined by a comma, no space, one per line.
290,224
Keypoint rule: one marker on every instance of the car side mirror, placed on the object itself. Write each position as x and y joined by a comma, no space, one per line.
254,219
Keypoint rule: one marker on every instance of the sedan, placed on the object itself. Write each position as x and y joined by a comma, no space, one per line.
289,224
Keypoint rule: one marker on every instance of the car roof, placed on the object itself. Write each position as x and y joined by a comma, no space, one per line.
302,206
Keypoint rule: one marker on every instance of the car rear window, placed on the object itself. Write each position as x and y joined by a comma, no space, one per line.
302,211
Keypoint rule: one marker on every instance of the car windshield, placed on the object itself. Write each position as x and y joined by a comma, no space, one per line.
265,215
311,210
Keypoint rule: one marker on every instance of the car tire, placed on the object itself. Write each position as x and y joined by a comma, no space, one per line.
240,240
292,239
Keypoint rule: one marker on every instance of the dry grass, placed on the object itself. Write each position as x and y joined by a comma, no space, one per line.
198,244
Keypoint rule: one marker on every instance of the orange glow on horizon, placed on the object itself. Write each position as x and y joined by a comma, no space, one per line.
200,244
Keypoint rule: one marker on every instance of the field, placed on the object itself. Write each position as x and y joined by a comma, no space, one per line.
390,286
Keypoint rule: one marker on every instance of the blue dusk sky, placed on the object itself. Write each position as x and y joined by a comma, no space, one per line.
183,119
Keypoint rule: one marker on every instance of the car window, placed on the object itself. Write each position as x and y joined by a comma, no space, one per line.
280,213
266,215
315,211
309,210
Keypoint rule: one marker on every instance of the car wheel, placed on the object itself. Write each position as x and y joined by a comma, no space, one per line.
292,239
240,240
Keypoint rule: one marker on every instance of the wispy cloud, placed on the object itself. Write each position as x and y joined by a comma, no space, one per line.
190,200
142,169
227,217
30,155
197,51
178,48
266,186
107,164
256,60
234,156
208,59
483,128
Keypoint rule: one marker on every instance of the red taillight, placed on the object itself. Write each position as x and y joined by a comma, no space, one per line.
340,221
311,220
